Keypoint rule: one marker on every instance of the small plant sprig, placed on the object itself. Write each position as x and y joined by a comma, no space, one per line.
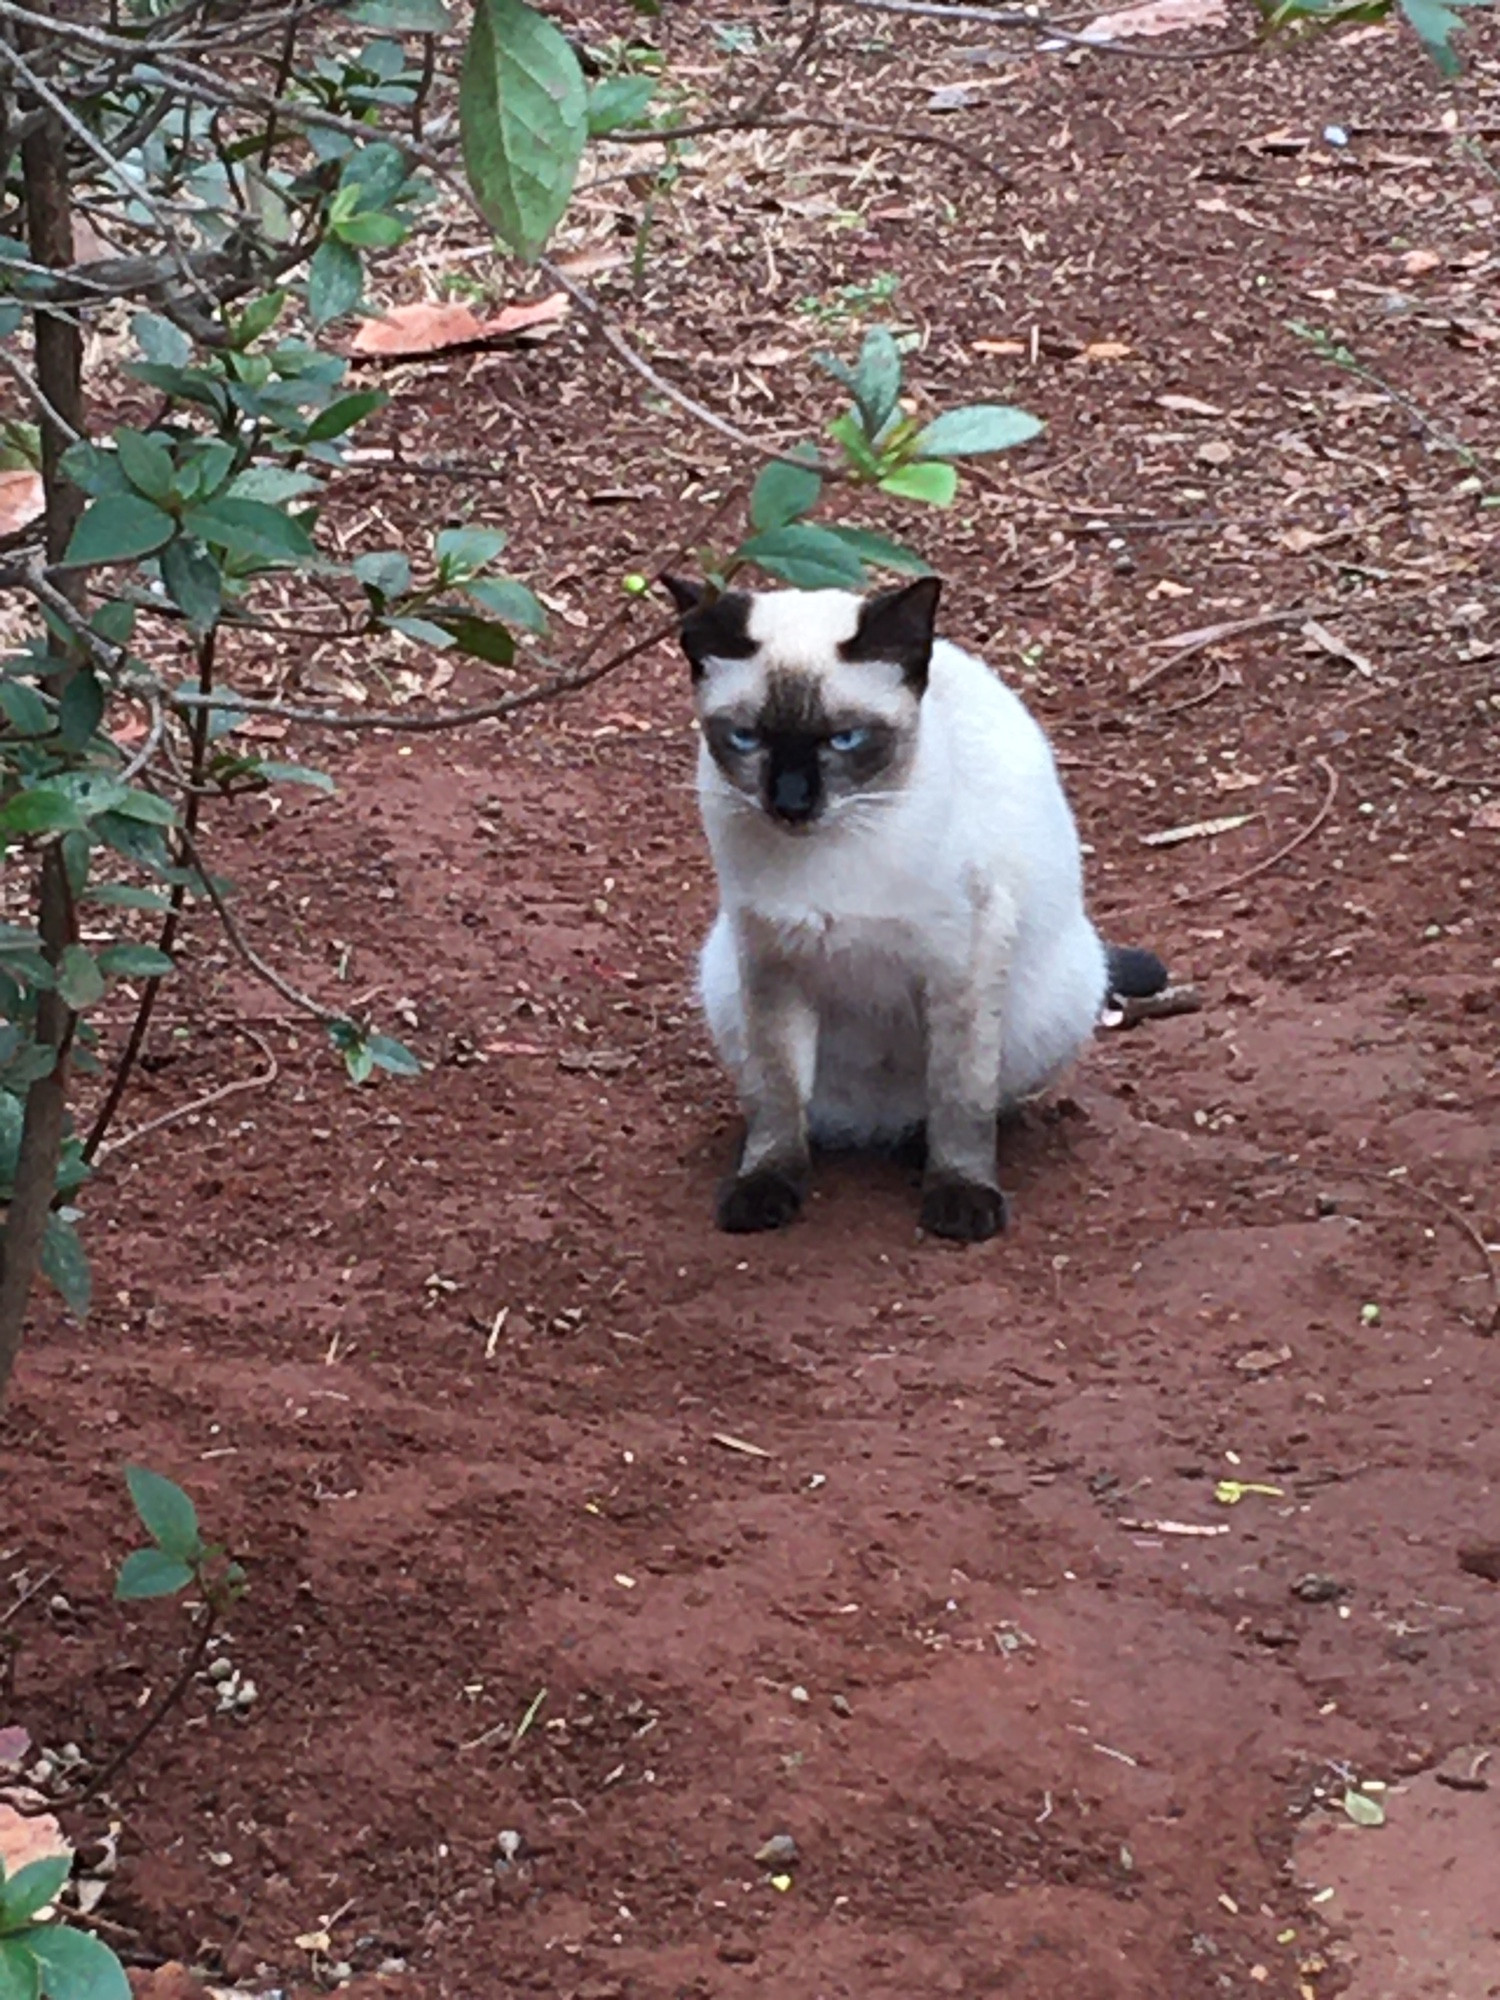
41,1957
177,1559
882,445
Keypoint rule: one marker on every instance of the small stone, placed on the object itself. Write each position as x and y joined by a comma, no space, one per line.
245,1693
839,1703
800,1694
220,1670
1315,1589
1482,1559
737,1949
508,1845
1216,451
780,1851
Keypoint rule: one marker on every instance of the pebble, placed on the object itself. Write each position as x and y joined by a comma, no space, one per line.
1315,1589
800,1694
737,1949
780,1851
221,1670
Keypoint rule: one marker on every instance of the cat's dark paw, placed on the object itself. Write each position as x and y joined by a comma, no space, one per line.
963,1211
765,1198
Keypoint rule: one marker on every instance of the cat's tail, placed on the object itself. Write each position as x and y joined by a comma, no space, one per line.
1134,974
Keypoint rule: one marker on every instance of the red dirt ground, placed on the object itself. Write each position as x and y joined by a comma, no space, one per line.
454,1364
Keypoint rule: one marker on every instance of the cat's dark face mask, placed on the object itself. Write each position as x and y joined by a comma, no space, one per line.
813,731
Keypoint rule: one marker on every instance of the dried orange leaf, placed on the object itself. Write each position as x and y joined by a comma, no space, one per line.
1157,17
26,1838
22,500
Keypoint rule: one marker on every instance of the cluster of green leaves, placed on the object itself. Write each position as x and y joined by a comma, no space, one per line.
41,1958
1434,22
881,446
178,1555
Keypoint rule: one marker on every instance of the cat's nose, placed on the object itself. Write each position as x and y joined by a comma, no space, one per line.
792,797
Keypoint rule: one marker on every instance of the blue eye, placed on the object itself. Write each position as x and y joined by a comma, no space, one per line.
742,741
845,740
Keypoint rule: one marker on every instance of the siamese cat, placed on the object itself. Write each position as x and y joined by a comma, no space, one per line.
902,949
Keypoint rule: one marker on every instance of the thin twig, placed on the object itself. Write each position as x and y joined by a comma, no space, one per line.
263,971
32,388
206,1621
1048,30
26,1596
1274,860
262,1080
1235,628
796,121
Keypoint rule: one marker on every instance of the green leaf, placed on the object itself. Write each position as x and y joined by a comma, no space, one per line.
1362,1809
146,463
403,17
118,528
388,1054
1436,22
10,319
194,582
345,414
149,1573
79,979
20,1975
975,430
93,470
358,1061
481,638
43,809
297,774
76,849
523,118
160,341
385,575
934,484
134,961
848,433
877,549
463,552
257,318
335,281
275,484
144,806
32,1888
167,1514
76,1966
80,708
24,709
877,379
249,528
509,600
809,558
424,630
372,231
617,101
65,1264
115,622
784,493
124,896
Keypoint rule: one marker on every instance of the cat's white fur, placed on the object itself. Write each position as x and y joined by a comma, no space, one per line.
967,872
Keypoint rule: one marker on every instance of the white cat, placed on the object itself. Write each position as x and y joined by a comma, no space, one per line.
902,944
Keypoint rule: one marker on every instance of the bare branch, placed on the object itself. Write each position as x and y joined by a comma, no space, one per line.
1044,28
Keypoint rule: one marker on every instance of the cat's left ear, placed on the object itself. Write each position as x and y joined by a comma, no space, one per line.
899,626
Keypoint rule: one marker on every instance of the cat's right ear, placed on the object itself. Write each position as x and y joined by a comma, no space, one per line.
713,628
686,596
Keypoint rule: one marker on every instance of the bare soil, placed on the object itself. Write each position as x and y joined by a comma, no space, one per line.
591,1549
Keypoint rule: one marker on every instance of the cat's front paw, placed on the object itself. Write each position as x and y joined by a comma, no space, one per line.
765,1198
963,1211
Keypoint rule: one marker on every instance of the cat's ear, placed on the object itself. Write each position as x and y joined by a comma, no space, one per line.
898,626
686,596
712,628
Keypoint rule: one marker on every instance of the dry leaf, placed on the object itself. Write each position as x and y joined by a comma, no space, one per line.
1261,1360
1238,781
1300,540
415,330
1416,262
1189,406
22,499
1487,818
590,263
1200,829
14,1743
1330,643
24,1840
1282,140
999,346
741,1445
1165,587
1106,350
1157,17
1216,452
770,357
